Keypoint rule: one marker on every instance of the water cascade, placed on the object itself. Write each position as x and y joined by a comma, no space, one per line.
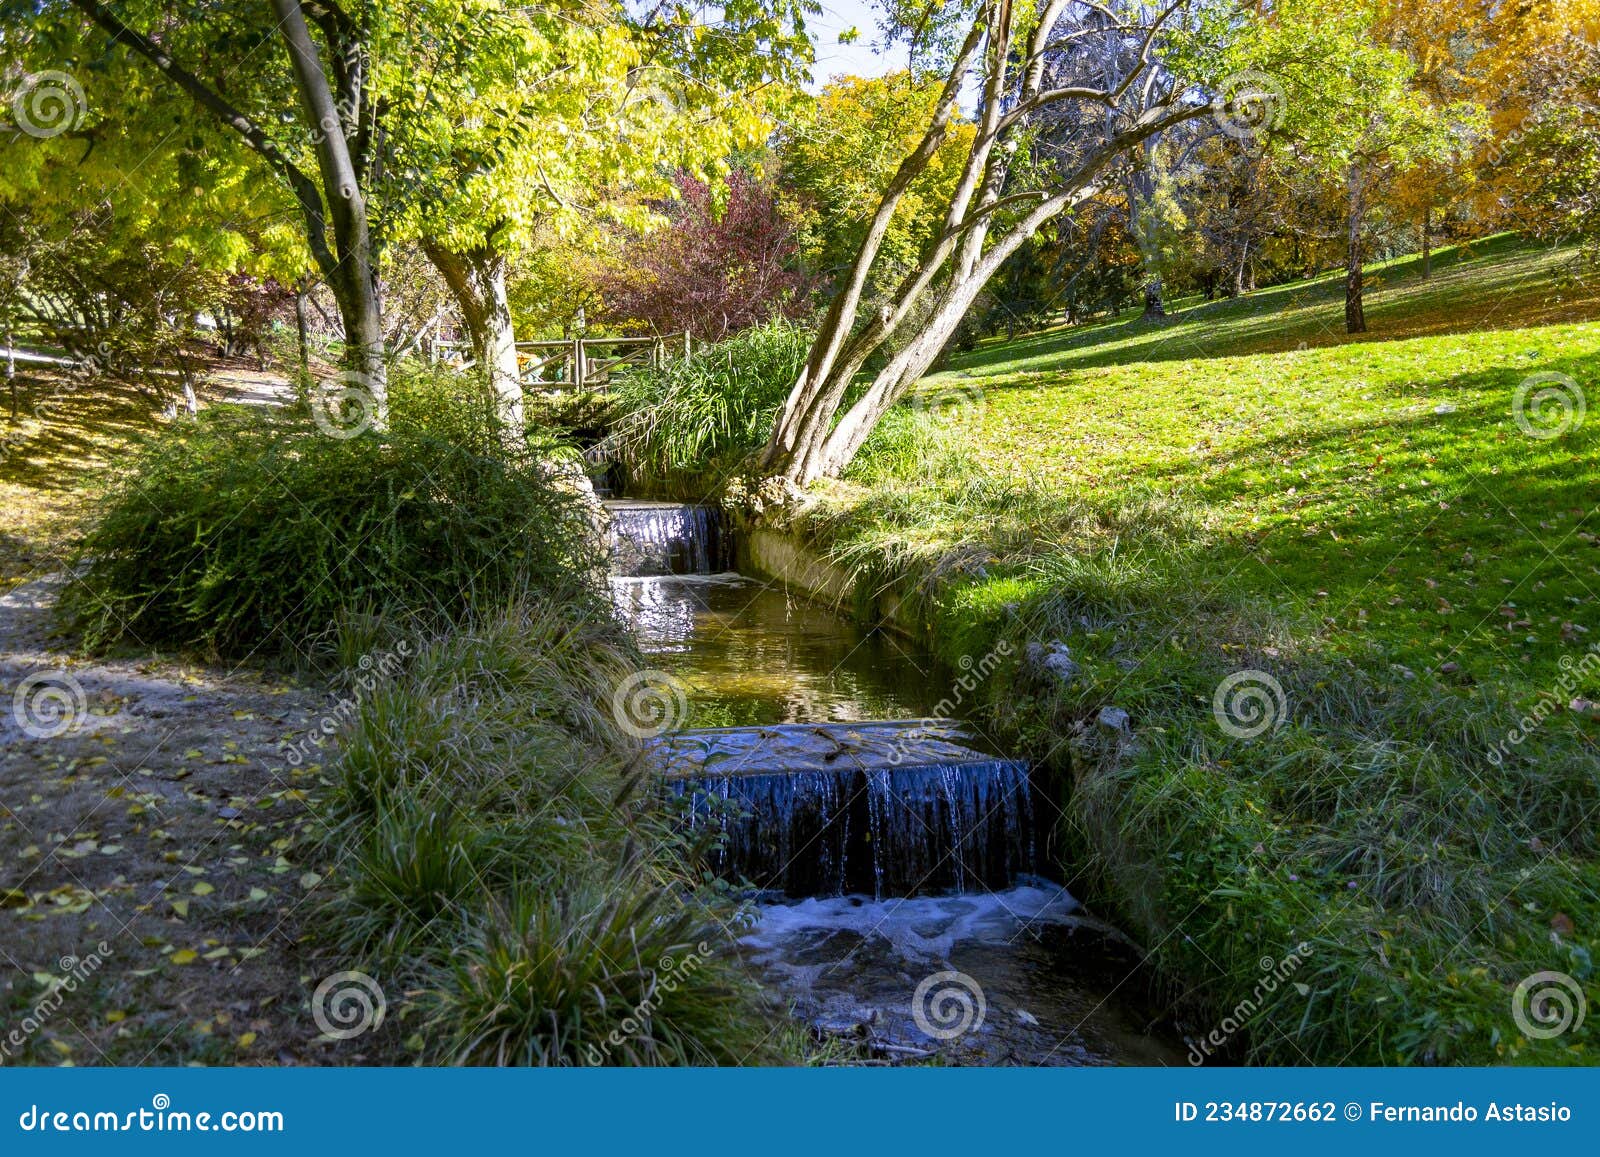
895,859
667,538
883,809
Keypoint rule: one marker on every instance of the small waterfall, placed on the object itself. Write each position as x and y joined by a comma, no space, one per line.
886,831
667,538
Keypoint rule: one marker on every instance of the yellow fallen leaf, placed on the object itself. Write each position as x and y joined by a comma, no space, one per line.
185,956
258,893
181,907
247,1039
203,889
116,1015
310,880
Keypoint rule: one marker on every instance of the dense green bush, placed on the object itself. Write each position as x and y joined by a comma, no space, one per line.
489,857
251,531
696,421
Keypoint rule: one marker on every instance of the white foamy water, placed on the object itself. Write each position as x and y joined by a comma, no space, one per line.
1024,974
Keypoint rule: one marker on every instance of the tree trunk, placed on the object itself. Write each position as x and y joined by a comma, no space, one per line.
1141,191
477,281
1355,318
806,443
353,276
1427,243
1153,309
301,329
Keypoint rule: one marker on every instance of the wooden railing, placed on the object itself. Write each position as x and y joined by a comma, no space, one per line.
579,363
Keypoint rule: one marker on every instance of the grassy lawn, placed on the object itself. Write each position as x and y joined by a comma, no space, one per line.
1365,529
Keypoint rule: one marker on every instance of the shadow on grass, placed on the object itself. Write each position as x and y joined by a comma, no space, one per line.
1501,282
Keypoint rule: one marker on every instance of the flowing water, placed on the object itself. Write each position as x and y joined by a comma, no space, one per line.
895,857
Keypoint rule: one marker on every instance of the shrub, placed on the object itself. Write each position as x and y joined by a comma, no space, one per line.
489,856
698,420
250,531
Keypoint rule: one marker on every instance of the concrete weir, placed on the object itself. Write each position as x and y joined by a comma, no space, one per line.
814,797
892,808
891,853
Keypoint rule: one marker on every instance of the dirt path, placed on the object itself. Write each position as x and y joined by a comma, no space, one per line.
149,879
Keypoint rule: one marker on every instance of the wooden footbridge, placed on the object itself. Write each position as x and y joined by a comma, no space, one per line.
583,363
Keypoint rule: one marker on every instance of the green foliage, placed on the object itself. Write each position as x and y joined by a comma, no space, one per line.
1366,524
839,154
253,531
694,422
490,858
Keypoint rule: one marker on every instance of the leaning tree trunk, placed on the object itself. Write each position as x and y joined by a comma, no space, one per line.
1355,317
919,318
353,277
477,281
1141,192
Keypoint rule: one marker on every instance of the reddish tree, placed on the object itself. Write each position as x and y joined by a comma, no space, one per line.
710,273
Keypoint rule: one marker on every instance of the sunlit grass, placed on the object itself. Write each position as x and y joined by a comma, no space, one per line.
1366,522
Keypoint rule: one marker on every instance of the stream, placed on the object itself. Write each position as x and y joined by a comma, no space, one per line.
902,904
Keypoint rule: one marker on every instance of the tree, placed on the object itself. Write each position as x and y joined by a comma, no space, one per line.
1071,62
122,216
835,158
335,124
538,124
711,270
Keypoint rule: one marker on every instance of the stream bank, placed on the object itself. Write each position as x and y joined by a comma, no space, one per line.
895,858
